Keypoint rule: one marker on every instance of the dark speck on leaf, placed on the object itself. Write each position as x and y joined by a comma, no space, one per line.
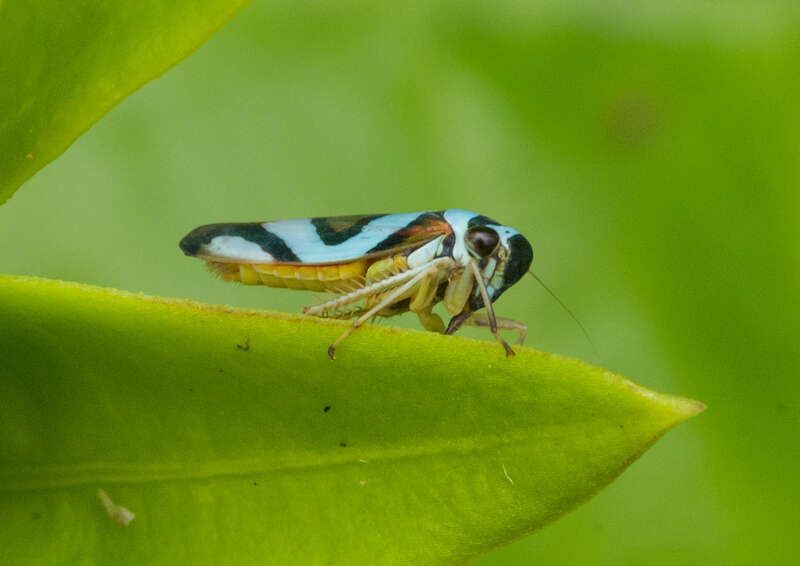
244,347
327,408
255,483
342,444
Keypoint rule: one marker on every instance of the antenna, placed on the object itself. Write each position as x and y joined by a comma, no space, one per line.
566,309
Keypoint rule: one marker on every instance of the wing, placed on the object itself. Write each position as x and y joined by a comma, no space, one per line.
314,241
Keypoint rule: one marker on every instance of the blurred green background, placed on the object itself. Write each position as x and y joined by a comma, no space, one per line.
649,151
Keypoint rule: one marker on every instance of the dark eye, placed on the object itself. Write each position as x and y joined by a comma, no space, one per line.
482,240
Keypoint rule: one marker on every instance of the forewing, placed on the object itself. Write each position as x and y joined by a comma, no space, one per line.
315,241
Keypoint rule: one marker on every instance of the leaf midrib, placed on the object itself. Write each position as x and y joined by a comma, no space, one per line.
37,477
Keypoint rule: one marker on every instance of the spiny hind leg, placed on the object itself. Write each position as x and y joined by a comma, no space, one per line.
481,320
352,295
397,294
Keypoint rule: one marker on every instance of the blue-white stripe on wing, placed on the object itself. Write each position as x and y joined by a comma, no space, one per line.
302,237
236,247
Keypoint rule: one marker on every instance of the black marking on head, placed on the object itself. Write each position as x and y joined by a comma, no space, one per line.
397,238
519,261
329,234
481,220
251,231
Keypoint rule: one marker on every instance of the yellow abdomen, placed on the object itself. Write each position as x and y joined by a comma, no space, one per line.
333,278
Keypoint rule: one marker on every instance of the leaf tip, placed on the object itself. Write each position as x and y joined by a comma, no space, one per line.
682,408
693,407
672,409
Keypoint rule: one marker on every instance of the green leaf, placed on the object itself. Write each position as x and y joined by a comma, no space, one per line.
235,440
65,64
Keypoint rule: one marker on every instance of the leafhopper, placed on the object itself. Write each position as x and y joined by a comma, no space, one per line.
378,265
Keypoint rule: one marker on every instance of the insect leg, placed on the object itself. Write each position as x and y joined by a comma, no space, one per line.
426,292
364,292
394,296
431,321
457,321
482,320
422,302
489,310
458,291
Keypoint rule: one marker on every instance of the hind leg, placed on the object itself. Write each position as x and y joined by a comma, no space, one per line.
396,295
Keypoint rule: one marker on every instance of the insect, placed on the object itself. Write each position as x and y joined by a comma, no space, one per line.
378,265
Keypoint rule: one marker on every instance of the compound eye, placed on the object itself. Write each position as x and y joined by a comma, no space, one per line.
482,240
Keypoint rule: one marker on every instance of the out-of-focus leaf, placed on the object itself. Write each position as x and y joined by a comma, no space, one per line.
233,439
65,64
